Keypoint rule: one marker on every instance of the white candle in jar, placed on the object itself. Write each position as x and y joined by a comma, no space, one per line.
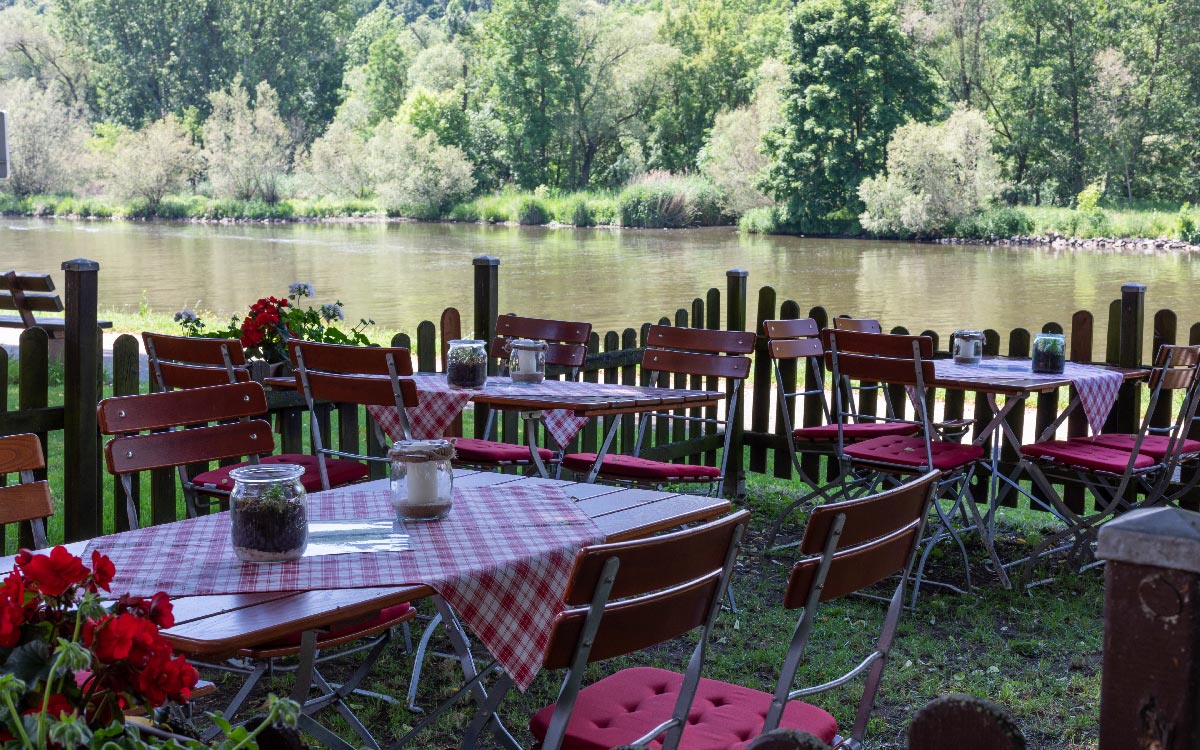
422,482
526,361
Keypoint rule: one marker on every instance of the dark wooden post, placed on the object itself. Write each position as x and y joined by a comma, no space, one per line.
487,307
83,515
1129,352
735,475
1150,685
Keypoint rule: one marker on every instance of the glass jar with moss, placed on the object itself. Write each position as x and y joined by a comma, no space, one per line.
466,363
268,513
1049,353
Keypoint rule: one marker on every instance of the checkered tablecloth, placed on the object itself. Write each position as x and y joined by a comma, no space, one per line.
439,404
501,559
1097,386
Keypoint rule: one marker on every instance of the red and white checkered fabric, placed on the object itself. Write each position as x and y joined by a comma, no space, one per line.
501,559
439,404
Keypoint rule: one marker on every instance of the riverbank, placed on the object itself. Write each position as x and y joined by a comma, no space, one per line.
677,203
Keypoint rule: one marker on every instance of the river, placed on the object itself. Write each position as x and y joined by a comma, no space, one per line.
402,273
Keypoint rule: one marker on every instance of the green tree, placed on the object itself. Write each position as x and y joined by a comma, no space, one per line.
46,139
151,163
852,80
246,147
150,57
529,46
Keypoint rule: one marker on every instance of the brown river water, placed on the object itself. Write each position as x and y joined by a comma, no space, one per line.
402,273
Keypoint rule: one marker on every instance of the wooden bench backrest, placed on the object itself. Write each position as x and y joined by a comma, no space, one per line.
664,587
28,293
31,499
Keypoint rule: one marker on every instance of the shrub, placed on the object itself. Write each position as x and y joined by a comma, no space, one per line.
763,220
659,200
998,222
246,148
936,175
338,163
532,210
468,211
578,212
46,139
414,175
1189,227
151,163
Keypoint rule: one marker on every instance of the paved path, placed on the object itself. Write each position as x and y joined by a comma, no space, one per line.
9,338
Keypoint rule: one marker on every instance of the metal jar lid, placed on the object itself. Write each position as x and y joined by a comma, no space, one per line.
420,451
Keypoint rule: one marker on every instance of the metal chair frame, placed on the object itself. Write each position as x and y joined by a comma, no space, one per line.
633,594
833,551
953,486
1118,493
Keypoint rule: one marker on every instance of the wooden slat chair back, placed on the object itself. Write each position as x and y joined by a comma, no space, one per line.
30,500
672,351
566,340
908,361
855,544
1121,471
862,325
367,375
211,433
627,596
29,293
194,362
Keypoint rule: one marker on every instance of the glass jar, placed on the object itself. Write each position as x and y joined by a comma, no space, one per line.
967,347
268,513
527,360
422,479
466,363
1049,353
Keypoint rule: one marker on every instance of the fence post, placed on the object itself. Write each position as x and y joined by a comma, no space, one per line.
83,516
735,475
1150,683
1129,352
487,307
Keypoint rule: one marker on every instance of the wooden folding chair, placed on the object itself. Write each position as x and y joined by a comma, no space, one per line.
30,500
672,351
798,340
368,375
174,428
620,599
566,343
1122,472
908,361
191,362
861,325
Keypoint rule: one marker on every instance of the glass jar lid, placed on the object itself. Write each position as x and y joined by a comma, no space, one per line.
264,473
420,451
968,333
466,342
530,345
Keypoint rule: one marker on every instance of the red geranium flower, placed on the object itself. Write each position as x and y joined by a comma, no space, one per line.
56,706
53,574
166,678
103,570
11,619
122,636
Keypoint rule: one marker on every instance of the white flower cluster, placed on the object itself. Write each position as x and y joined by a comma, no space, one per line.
332,311
301,289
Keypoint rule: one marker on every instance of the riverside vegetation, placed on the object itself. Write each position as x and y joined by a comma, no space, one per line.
905,118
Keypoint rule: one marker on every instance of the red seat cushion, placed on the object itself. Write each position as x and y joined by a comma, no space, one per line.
910,451
472,451
827,433
1084,454
385,615
1154,446
621,708
632,467
341,471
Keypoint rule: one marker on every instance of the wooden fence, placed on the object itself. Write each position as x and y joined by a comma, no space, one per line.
614,357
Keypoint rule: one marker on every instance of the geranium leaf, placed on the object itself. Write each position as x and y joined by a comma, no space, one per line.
29,662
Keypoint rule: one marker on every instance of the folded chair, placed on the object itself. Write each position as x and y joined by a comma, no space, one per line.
566,349
368,375
192,362
165,430
798,340
672,351
620,599
907,361
1122,472
849,546
29,501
